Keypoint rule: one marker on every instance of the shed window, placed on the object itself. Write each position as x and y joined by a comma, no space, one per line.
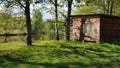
88,28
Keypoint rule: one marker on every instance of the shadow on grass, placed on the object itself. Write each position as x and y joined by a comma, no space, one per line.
58,65
46,65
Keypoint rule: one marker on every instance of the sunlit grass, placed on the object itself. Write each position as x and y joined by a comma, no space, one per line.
59,54
11,45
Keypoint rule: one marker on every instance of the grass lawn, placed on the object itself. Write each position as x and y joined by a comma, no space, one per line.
59,54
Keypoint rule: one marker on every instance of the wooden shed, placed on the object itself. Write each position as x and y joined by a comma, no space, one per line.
96,27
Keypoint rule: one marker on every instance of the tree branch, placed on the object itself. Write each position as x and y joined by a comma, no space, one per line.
63,14
20,3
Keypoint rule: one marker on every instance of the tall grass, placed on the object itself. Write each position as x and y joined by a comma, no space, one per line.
59,54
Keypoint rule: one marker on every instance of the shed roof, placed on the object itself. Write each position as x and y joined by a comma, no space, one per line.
97,15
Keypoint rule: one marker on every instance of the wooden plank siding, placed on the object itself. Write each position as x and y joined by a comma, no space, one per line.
110,29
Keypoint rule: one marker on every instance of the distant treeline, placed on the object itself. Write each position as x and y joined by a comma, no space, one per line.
20,34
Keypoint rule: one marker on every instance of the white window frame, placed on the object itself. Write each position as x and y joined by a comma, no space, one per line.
88,28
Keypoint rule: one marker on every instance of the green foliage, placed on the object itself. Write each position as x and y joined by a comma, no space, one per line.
99,7
47,30
59,54
37,23
6,21
9,22
88,9
20,23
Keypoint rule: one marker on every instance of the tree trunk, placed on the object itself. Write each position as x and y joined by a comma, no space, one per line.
56,31
5,39
56,24
67,25
28,23
81,32
110,7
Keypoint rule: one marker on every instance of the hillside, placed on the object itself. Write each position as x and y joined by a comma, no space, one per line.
59,54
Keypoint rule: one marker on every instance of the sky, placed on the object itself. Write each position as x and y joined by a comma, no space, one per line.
45,14
0,7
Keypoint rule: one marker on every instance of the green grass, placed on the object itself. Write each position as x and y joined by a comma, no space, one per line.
59,54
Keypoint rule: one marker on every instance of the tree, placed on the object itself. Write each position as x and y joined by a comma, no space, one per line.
49,29
110,7
56,16
37,23
28,21
66,15
86,9
63,4
55,3
53,9
25,4
67,28
9,22
6,22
